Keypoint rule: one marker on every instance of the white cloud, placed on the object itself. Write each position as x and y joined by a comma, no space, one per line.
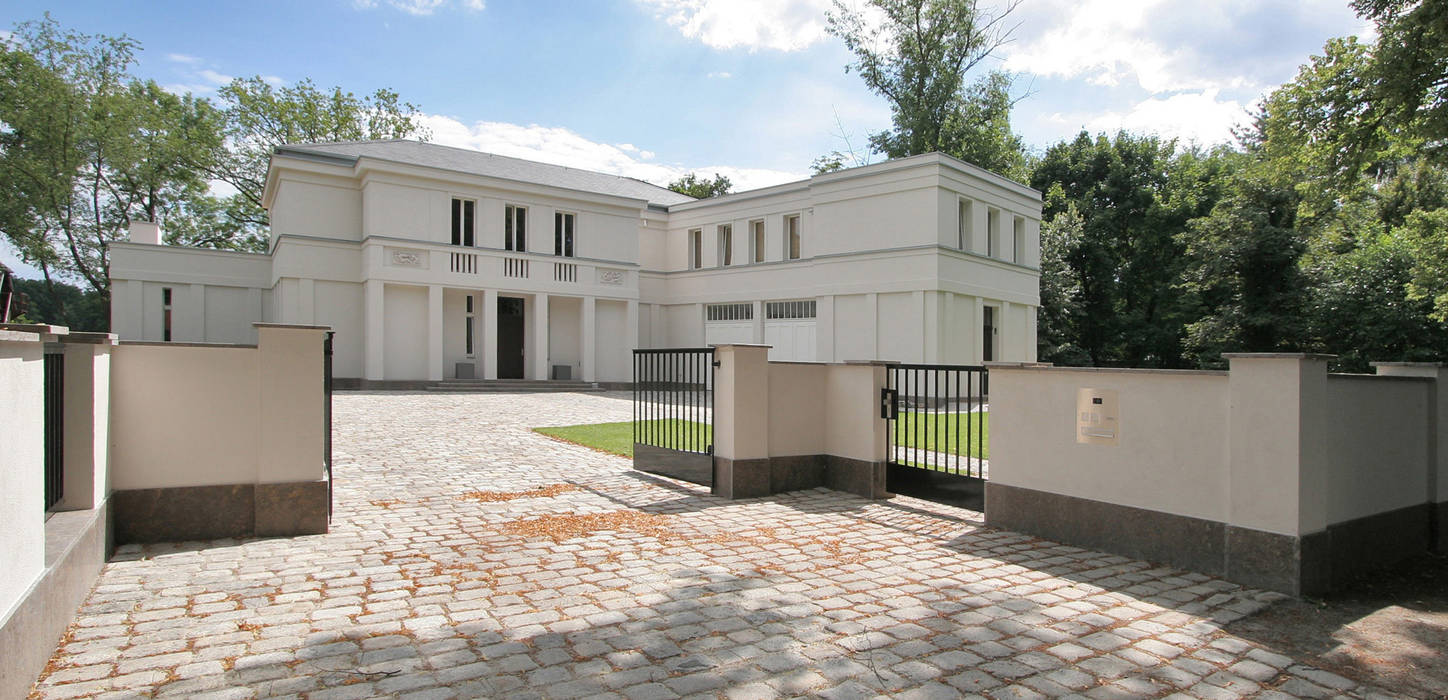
182,58
1103,41
214,77
1191,117
783,25
721,75
561,146
420,8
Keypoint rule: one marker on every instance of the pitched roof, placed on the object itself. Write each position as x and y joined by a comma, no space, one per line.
462,160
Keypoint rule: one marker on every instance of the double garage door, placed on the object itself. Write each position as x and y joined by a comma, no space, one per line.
789,327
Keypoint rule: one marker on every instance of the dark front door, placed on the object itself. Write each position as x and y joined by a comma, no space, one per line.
510,338
987,351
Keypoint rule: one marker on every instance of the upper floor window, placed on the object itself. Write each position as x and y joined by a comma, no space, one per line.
756,240
563,234
963,226
166,314
462,221
791,236
515,228
992,232
696,245
1018,240
726,244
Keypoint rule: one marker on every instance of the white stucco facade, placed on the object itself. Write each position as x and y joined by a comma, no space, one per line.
409,252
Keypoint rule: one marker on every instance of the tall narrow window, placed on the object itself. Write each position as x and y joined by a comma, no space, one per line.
563,234
463,211
696,245
963,226
166,314
726,244
992,230
756,238
515,228
1018,241
791,231
468,342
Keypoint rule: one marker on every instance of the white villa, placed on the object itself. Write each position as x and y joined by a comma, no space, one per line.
433,263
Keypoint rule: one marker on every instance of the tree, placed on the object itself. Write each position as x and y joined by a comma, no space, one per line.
259,117
87,148
700,188
978,131
64,304
1409,70
917,56
1059,314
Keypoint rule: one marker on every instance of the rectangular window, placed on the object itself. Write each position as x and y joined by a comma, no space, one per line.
468,331
804,308
963,226
515,228
791,231
696,245
992,230
729,312
462,221
726,244
756,241
563,234
166,314
1018,240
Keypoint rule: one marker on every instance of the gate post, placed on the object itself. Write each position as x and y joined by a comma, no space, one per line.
741,421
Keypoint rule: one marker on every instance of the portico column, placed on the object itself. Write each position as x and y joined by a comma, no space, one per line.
490,334
631,326
757,325
375,338
434,333
587,340
540,336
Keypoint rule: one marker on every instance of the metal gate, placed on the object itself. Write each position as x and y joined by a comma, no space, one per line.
54,370
673,413
938,427
327,415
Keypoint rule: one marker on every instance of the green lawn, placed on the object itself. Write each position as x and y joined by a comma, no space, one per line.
617,438
924,429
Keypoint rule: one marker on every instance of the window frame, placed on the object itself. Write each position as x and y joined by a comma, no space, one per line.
992,230
725,233
565,243
696,245
464,220
794,240
965,224
758,235
1018,239
515,228
167,297
469,325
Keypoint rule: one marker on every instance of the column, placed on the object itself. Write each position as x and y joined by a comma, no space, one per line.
374,332
631,324
917,300
1007,349
489,349
434,333
758,333
588,341
872,311
540,336
193,328
977,353
306,301
825,329
741,422
930,317
658,330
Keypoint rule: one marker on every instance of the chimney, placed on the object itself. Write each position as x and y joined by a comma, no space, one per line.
145,232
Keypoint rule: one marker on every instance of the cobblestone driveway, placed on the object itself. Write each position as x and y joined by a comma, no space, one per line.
621,584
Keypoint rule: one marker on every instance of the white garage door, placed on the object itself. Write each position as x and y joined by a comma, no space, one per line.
789,326
728,323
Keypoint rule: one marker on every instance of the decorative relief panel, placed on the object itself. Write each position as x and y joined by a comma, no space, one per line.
613,277
406,258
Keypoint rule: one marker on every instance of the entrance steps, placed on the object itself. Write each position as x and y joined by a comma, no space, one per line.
511,386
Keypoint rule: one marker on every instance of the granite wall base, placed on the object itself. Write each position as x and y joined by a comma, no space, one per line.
213,512
754,478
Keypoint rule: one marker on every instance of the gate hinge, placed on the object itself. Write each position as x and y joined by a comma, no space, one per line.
716,363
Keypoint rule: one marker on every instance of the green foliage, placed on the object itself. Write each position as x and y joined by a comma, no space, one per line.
62,304
259,117
918,59
1058,318
700,188
1426,235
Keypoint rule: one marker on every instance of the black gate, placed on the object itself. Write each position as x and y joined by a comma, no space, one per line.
938,426
673,425
54,370
327,415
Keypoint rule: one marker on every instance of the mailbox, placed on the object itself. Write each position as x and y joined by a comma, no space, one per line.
1098,420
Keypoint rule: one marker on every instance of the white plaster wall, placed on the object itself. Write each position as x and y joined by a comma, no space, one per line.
307,207
852,425
901,327
454,332
684,325
291,395
87,423
874,221
230,313
1172,452
22,470
339,305
564,339
797,415
402,211
1377,439
405,319
183,416
854,332
615,356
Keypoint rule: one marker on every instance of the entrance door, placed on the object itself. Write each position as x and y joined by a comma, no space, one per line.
510,338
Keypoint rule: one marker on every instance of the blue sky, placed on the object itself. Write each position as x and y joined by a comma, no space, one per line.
749,88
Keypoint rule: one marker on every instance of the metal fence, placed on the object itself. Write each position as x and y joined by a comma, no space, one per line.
673,402
937,418
54,370
327,415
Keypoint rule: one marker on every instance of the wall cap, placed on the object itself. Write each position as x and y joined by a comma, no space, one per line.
175,344
89,338
1047,367
1424,365
35,328
740,345
1277,356
9,336
297,326
1019,365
